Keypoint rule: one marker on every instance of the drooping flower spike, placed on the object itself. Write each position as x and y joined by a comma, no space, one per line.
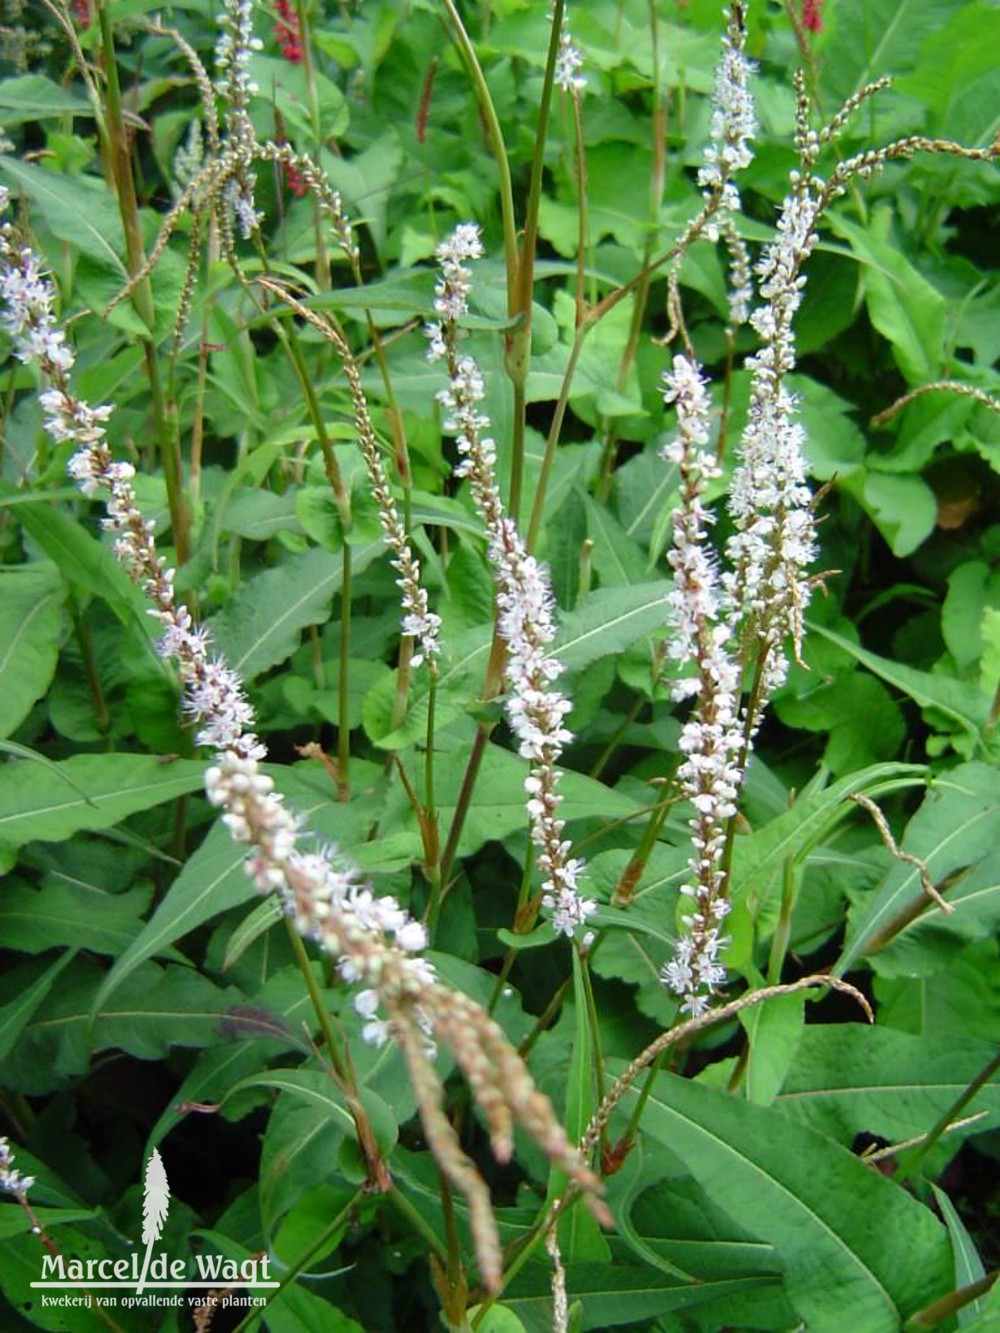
377,945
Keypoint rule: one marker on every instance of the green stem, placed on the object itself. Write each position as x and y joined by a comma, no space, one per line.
640,1102
935,1314
629,881
304,1259
783,930
518,349
309,71
595,1027
548,458
343,685
499,148
342,1072
429,816
418,1222
465,798
142,297
909,1162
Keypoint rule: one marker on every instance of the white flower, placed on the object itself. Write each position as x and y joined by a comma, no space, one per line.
569,62
525,621
11,1180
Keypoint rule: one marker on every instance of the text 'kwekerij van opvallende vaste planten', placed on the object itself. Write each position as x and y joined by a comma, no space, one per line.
500,665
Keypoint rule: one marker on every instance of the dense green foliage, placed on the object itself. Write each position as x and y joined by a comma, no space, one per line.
150,999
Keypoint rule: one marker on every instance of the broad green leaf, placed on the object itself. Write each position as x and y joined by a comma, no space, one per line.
849,1078
903,305
609,620
968,1265
962,1001
258,514
951,697
15,1015
282,1014
20,1265
290,1309
618,559
758,856
308,1126
874,37
669,1222
317,1089
156,1008
927,941
212,881
774,1031
30,623
955,826
498,808
79,210
863,721
81,558
903,508
36,804
856,1250
615,1294
70,914
262,625
34,97
972,589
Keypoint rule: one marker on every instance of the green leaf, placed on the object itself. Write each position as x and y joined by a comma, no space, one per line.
81,558
78,209
774,1031
30,624
961,1001
902,304
618,559
156,1008
954,698
968,1265
212,881
15,1015
282,1014
70,914
609,620
498,808
875,37
954,827
317,1089
36,804
615,1294
580,1236
758,857
856,1250
848,1078
903,508
262,625
926,942
34,97
863,721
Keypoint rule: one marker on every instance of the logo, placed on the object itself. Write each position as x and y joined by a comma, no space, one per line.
156,1271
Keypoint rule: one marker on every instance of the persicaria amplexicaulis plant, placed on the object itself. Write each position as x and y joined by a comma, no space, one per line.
493,475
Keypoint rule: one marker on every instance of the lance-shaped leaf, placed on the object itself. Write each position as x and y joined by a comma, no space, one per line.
857,1251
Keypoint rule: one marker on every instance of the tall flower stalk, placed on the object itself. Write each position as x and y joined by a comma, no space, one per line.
536,710
376,944
711,740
